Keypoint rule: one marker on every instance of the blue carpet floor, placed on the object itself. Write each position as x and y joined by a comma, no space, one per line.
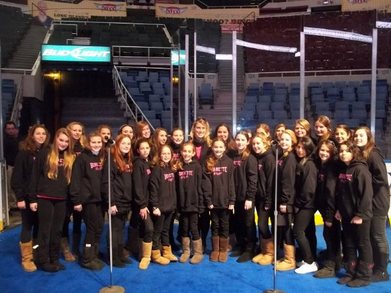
176,277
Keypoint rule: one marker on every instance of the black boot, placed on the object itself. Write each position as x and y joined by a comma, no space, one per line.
350,272
328,271
363,275
380,273
87,260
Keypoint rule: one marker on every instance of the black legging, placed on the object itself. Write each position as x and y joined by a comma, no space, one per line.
29,224
161,229
189,224
146,229
244,226
302,221
220,222
263,220
93,219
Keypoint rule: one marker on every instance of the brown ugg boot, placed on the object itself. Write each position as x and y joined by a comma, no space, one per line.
223,254
146,255
288,262
198,255
186,249
267,255
26,250
66,251
214,255
167,253
158,258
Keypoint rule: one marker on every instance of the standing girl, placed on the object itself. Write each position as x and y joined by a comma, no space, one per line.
305,205
323,130
325,203
264,199
354,209
302,128
141,174
189,178
224,131
363,138
121,194
48,195
342,133
176,141
219,191
85,191
245,176
286,198
163,202
37,139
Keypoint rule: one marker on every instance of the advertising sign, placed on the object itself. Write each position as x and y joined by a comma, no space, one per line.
178,57
58,53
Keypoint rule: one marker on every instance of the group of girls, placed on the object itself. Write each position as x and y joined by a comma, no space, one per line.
214,183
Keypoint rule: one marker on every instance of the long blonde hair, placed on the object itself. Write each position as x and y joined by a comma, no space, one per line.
204,123
83,139
54,156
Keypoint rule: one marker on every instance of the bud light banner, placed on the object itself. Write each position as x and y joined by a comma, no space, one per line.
93,54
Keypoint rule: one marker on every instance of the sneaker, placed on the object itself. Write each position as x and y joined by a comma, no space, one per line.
306,268
380,276
300,263
355,283
326,272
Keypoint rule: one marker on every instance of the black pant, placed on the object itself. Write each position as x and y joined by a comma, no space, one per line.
51,214
220,222
303,219
93,219
284,229
189,224
204,225
357,244
332,237
244,226
29,224
263,220
379,243
161,229
118,222
146,229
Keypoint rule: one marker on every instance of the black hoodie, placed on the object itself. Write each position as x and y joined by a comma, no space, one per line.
381,190
189,182
305,184
266,178
286,181
86,179
141,174
354,191
162,189
245,176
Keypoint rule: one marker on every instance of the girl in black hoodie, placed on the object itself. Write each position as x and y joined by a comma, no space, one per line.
264,200
48,191
246,177
163,201
219,191
190,197
363,138
36,140
354,209
85,191
121,168
304,204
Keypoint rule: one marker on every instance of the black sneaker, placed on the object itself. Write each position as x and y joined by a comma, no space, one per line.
380,276
245,257
49,267
355,283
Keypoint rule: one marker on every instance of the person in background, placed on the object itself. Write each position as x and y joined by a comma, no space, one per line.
263,129
85,193
302,128
10,144
36,140
323,129
105,131
219,191
121,168
49,191
224,131
177,139
278,130
354,209
342,134
143,129
363,139
128,129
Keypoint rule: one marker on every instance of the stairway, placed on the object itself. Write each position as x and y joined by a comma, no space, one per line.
27,51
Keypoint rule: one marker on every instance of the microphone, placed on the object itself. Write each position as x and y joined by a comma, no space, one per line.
109,141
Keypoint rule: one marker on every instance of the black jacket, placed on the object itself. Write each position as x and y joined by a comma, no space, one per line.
22,173
245,177
121,187
266,178
86,179
189,187
162,189
381,190
354,191
326,188
218,186
41,186
305,184
141,174
203,149
286,181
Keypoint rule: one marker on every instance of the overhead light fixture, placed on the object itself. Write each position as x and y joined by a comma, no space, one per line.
223,56
322,32
266,47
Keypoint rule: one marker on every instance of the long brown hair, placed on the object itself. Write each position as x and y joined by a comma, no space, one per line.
246,153
180,162
29,144
172,164
123,162
367,149
212,160
53,157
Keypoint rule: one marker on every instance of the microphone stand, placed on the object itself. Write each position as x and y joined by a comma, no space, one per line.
110,288
274,290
